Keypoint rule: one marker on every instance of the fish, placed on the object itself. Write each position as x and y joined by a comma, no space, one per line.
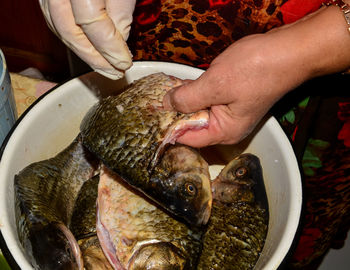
130,131
93,256
45,194
135,233
237,229
83,226
83,220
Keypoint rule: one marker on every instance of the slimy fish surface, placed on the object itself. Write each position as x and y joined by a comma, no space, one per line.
135,234
45,194
83,227
238,224
129,133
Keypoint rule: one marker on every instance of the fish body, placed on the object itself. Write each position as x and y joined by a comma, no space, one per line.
83,220
135,234
129,133
237,228
45,194
83,226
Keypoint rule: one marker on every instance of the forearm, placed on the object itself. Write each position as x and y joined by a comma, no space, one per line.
245,80
322,42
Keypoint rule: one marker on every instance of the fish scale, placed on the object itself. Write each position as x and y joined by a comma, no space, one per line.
237,228
129,133
45,194
143,235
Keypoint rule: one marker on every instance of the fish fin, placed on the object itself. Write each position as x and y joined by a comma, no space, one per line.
54,247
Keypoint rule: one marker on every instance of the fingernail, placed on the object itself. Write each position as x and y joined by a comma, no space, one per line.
167,102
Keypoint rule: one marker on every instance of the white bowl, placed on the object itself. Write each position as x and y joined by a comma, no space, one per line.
53,122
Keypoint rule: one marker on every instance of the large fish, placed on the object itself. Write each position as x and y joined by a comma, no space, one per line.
129,133
45,194
135,234
238,224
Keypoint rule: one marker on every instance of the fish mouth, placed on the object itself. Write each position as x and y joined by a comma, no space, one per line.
204,213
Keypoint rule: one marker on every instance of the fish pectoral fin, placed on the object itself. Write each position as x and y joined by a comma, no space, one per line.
55,247
157,256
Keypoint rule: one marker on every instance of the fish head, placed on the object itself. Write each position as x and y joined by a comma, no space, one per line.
157,256
93,256
238,180
181,181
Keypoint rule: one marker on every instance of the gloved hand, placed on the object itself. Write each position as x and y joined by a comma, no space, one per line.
95,30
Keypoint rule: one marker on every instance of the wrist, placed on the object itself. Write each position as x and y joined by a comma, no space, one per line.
344,7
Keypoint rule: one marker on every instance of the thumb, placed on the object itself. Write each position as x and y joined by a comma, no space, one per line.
188,97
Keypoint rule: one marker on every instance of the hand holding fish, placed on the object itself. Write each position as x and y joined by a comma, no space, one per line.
244,81
240,86
95,30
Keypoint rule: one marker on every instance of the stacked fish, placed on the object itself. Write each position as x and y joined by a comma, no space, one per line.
124,195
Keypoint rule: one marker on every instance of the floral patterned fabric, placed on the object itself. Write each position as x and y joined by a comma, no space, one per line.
316,117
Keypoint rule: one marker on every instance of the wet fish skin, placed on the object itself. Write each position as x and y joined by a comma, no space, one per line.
135,234
182,174
129,132
241,180
45,192
93,256
143,236
83,220
237,228
83,226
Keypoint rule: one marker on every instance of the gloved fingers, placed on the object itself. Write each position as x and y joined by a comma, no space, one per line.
120,11
99,28
44,5
63,22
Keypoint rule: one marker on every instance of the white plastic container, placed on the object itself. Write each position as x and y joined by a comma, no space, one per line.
53,122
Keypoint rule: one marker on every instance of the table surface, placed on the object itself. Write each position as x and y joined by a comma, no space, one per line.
26,90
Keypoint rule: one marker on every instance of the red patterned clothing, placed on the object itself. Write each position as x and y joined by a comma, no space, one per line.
316,116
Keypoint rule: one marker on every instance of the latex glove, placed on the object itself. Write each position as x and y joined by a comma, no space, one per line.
95,30
244,82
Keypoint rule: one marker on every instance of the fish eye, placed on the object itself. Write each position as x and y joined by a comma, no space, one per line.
190,189
241,171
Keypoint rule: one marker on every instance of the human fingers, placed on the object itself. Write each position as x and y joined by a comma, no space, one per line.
120,12
224,128
100,29
60,18
208,90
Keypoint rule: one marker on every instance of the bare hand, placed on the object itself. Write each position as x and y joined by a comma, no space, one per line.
239,87
243,82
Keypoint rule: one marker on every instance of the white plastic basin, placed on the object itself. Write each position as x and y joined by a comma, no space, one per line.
53,122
